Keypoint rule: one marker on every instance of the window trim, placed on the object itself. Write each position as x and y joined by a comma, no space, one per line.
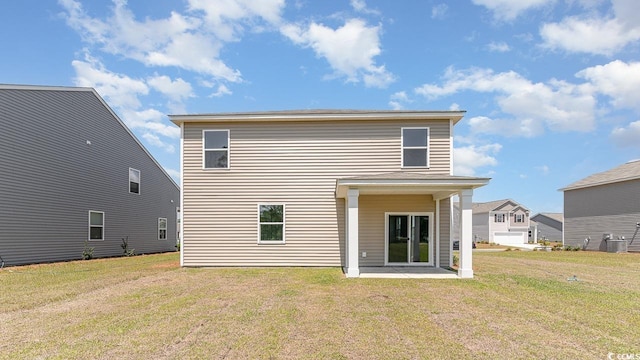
139,180
228,149
166,226
515,218
501,215
426,148
90,226
283,223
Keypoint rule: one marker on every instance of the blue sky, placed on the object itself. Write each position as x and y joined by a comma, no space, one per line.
551,87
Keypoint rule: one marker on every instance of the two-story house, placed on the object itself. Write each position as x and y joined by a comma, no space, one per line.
503,222
72,175
322,188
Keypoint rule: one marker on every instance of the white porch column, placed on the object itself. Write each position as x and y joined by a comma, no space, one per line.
353,269
437,255
465,269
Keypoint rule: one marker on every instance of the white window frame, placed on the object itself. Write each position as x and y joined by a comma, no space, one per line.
426,148
518,218
283,223
166,225
228,149
499,218
90,225
139,181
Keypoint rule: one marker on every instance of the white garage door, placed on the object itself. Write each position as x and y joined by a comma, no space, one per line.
509,238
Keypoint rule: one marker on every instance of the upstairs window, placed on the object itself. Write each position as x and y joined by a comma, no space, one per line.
162,228
415,147
518,218
216,149
271,227
499,218
134,181
96,225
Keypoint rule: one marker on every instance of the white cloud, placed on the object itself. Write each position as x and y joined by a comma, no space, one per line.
467,159
530,107
155,141
398,99
544,169
182,41
498,47
361,6
454,107
175,174
122,93
618,80
176,90
508,10
222,91
439,11
119,90
350,49
227,19
593,33
627,137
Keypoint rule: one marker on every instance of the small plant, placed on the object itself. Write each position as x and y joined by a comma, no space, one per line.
87,252
559,247
125,247
455,260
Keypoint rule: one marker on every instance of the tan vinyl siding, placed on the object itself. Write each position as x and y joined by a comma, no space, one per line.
445,233
372,221
291,163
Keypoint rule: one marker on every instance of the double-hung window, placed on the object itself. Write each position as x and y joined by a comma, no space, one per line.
271,224
215,149
519,218
415,147
162,228
134,181
96,225
499,218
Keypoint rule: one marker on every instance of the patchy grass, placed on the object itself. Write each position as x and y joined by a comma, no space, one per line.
520,306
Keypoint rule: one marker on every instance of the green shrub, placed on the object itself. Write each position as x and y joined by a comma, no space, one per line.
87,252
455,260
125,247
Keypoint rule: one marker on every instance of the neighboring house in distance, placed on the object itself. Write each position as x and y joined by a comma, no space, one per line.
548,226
503,222
322,188
604,203
71,172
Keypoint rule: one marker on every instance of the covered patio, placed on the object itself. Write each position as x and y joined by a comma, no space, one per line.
439,188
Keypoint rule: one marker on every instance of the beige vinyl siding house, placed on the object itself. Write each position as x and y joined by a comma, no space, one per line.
604,203
279,188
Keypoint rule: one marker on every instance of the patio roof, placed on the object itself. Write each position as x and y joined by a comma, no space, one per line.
440,186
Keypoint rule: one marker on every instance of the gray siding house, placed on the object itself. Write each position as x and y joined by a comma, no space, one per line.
322,188
604,203
71,172
548,226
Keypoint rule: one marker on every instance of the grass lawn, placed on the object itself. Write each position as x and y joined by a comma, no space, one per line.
519,306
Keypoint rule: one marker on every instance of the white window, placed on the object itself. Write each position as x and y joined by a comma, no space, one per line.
96,225
134,181
498,218
519,218
216,149
415,147
271,224
162,228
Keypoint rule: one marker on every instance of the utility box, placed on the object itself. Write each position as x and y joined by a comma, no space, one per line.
617,246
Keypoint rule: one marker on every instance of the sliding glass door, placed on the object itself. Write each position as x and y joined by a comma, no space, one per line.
409,239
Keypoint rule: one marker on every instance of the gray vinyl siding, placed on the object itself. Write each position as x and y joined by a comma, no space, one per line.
548,232
592,211
481,226
50,179
292,163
